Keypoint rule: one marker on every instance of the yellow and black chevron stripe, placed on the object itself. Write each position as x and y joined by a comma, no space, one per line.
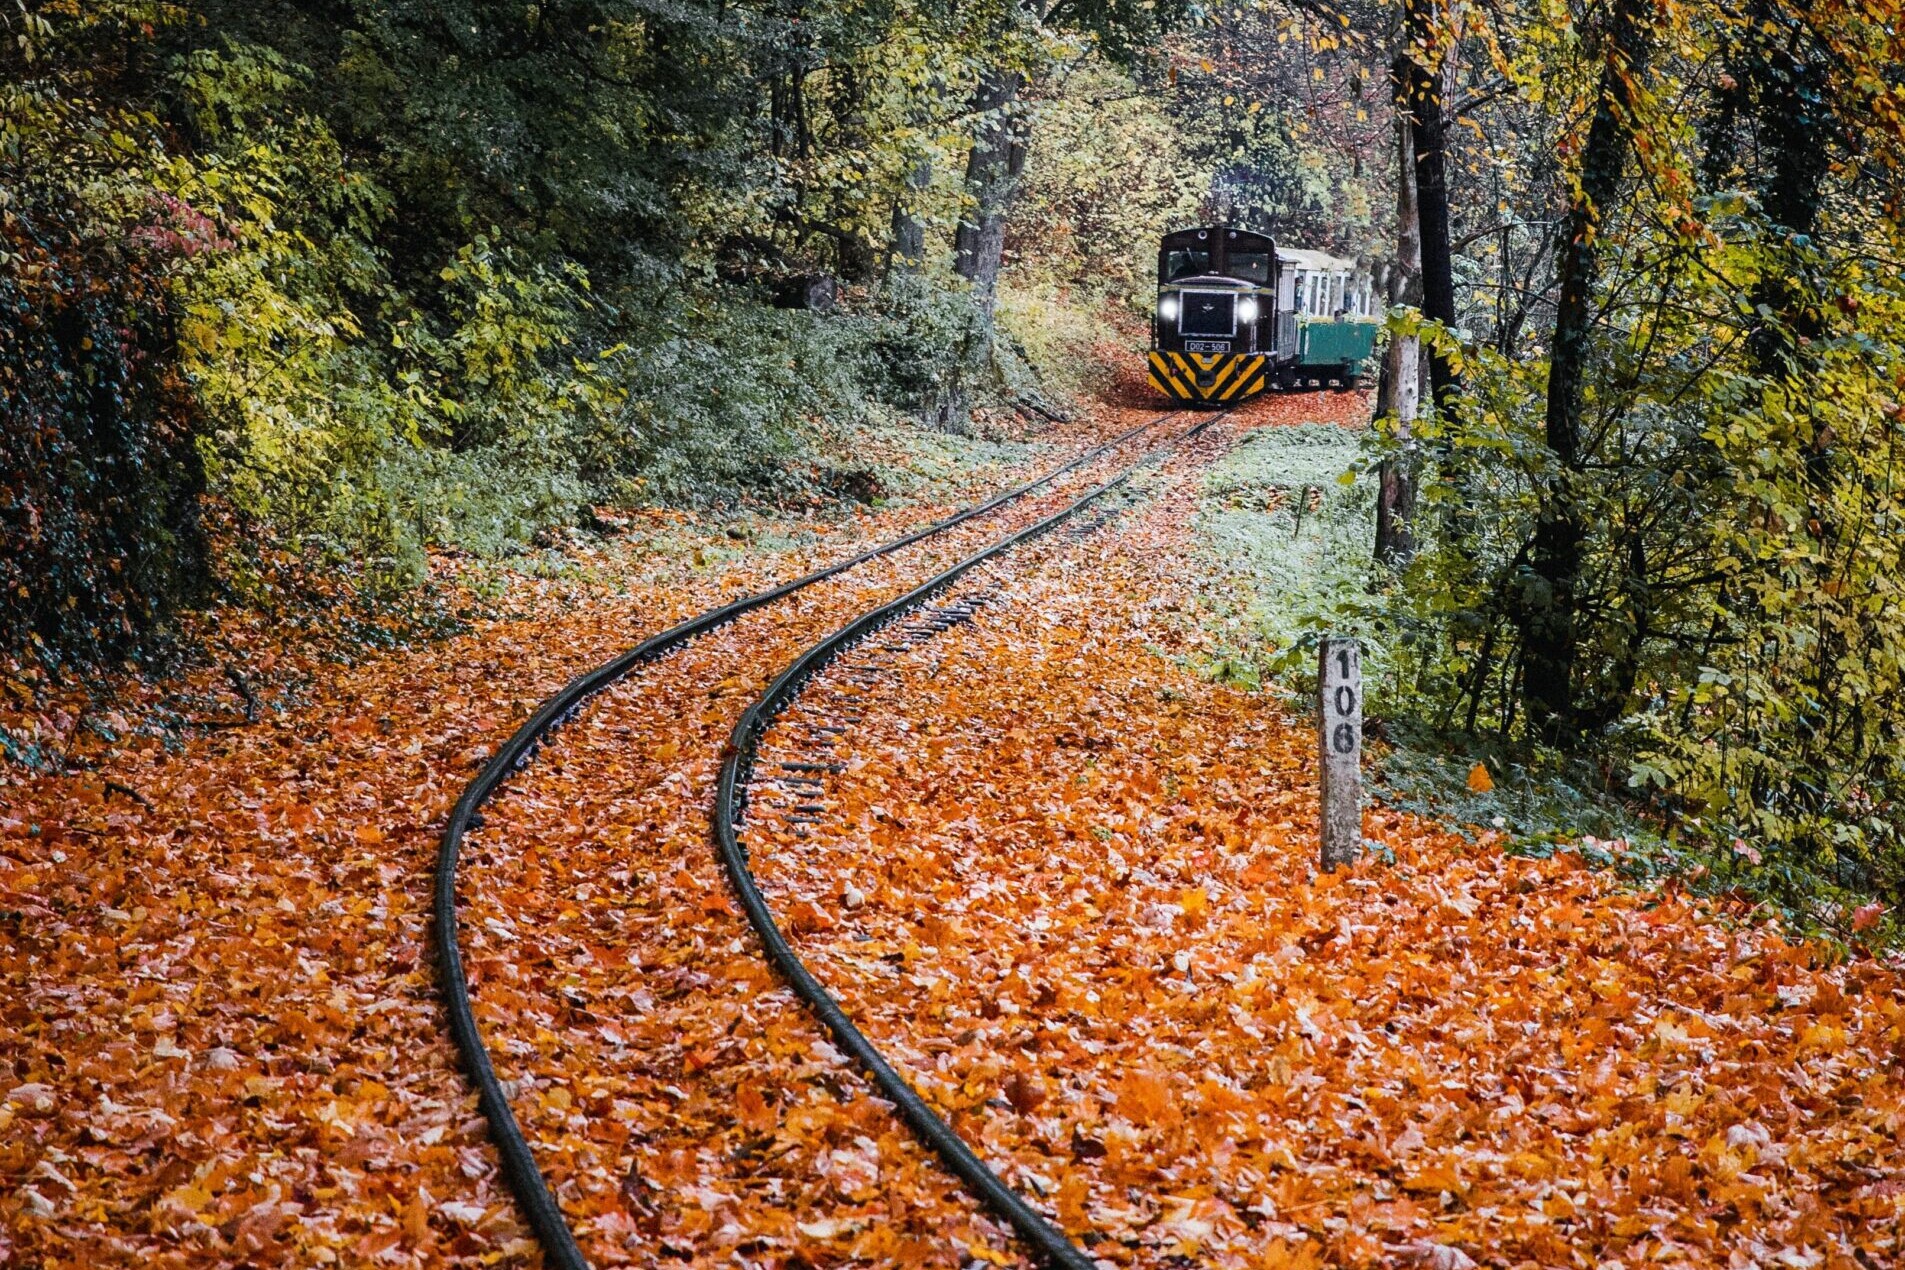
1208,378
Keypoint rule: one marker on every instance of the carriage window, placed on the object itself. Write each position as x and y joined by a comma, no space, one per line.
1185,262
1251,266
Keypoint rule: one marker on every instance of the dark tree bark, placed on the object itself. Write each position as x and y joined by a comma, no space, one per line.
992,179
1546,613
907,251
1787,76
855,258
1784,73
1397,398
1421,74
790,135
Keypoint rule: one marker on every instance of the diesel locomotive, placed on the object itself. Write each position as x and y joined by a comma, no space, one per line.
1237,314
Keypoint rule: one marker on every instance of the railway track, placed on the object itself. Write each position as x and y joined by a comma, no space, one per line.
1051,1244
533,1194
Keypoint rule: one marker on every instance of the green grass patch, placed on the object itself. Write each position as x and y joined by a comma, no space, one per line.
1289,540
899,462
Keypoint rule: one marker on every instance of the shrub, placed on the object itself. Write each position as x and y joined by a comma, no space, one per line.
99,475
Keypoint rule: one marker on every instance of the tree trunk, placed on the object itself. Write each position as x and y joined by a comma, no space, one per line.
855,258
908,249
992,178
1395,502
1794,120
1785,74
1547,609
1422,72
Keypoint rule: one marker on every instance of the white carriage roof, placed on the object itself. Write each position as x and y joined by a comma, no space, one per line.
1321,261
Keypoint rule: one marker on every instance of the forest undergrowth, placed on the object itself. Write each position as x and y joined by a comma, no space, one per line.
284,619
1283,529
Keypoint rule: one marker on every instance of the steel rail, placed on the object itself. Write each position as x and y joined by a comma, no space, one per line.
520,1170
1045,1239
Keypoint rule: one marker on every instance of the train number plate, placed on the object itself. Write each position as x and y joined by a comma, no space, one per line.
1207,346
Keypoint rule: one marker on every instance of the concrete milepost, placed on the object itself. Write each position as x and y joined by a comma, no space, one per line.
1339,715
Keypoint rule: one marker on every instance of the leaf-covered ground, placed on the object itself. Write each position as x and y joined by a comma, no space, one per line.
219,1039
654,1055
1063,880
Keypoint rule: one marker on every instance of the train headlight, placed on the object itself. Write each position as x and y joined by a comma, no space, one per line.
1247,309
1167,308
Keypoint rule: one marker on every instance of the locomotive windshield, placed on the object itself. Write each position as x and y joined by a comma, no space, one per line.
1251,266
1186,262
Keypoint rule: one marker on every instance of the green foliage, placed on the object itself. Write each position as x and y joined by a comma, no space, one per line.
100,538
924,339
446,273
1789,729
1287,110
1062,340
1275,587
387,275
721,403
1107,174
99,478
1739,618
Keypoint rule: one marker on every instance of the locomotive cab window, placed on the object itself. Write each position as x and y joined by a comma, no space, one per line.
1186,262
1251,266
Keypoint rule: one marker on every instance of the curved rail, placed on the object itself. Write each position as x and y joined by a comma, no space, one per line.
1050,1243
519,1164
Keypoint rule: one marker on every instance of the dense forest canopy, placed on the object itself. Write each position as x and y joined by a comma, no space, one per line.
376,276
